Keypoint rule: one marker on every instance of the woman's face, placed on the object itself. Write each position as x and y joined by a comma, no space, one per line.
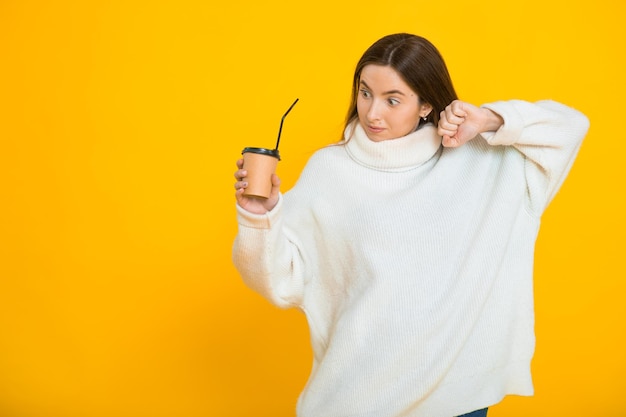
387,107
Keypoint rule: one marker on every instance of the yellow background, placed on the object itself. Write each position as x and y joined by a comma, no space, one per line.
120,124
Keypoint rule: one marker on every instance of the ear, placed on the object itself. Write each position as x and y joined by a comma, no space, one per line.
425,110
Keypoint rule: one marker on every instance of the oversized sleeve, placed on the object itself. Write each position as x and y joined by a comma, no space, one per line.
267,259
548,134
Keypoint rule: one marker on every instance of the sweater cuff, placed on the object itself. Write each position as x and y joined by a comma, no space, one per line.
259,221
511,130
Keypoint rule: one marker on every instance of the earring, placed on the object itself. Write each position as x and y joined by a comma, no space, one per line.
424,118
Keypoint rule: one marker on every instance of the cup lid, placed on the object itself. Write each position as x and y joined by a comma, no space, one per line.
263,151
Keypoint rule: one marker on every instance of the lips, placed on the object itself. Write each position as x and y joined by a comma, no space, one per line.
375,129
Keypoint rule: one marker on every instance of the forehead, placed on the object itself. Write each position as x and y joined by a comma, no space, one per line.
383,78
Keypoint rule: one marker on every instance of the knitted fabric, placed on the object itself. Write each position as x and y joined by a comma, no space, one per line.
414,263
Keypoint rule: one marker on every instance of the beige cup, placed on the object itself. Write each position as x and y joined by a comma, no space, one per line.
261,164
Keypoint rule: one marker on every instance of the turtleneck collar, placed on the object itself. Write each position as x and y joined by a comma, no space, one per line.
399,154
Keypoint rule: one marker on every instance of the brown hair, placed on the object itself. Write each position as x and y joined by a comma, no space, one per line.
419,64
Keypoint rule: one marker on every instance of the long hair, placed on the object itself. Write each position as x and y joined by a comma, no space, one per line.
418,63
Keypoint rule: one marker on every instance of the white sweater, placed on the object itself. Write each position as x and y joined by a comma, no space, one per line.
414,263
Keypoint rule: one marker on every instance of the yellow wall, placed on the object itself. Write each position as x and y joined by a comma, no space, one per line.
120,122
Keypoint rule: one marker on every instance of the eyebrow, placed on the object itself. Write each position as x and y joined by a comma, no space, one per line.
386,93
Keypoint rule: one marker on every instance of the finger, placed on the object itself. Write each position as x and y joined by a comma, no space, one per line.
275,186
450,142
453,116
241,185
443,115
441,131
275,182
457,108
240,174
444,125
450,124
239,196
240,163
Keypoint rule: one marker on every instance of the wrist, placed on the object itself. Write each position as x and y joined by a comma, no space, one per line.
492,121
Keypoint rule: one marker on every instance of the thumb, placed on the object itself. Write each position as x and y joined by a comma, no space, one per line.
275,186
450,141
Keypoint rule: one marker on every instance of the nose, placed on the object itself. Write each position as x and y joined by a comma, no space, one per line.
373,112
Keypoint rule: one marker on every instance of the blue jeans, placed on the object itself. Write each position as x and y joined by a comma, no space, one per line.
477,413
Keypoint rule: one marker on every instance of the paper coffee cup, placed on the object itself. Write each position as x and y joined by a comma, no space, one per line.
261,164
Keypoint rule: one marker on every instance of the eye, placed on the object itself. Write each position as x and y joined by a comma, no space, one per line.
365,93
393,101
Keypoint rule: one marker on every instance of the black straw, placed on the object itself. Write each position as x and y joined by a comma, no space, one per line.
281,122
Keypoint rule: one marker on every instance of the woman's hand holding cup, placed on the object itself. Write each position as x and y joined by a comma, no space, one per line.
255,204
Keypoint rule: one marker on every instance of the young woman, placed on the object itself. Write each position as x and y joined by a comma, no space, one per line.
409,245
